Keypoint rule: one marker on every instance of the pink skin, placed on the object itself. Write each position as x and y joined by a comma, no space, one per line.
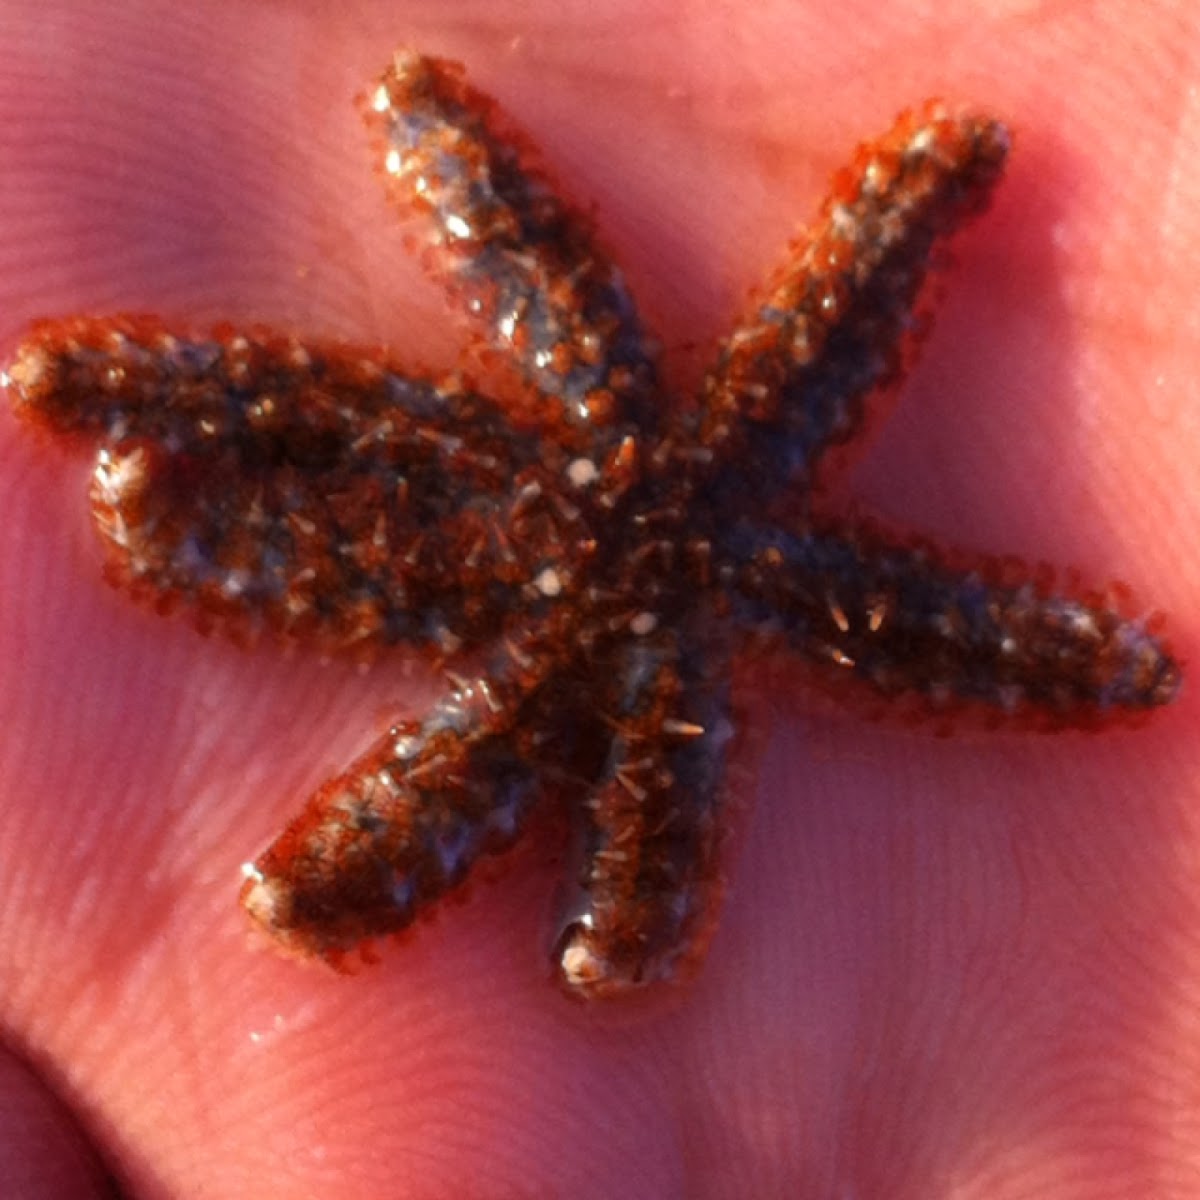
969,964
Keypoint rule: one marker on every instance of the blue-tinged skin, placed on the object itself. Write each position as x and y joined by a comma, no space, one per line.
606,549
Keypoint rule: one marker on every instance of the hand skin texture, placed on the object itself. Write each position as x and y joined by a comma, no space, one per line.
961,967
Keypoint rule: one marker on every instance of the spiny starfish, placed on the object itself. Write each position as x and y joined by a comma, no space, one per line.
606,549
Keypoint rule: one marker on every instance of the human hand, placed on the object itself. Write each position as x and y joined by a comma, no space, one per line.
942,963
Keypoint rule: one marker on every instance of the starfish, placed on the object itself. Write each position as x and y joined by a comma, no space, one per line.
595,551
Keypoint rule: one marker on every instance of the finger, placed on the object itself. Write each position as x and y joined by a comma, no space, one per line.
43,1154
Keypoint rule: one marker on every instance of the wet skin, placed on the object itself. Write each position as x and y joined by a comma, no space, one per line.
984,947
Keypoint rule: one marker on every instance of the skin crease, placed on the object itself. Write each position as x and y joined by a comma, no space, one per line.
967,966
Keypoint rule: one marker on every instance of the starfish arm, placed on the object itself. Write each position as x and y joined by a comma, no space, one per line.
906,621
652,828
404,825
520,260
309,490
832,331
380,844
